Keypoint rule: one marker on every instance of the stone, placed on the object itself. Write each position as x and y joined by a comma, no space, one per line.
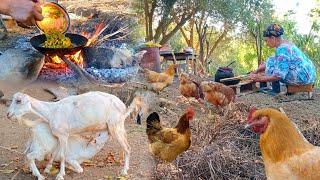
86,12
3,29
107,58
20,67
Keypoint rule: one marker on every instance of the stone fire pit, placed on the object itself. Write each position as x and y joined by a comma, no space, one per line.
107,61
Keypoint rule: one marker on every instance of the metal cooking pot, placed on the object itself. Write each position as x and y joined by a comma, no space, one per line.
78,42
226,72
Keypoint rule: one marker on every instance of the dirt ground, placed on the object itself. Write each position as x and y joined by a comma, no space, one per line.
143,165
14,136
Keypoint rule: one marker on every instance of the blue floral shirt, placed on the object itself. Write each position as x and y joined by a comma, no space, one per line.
291,65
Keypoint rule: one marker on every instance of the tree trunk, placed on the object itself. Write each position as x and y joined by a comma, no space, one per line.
256,42
146,16
189,40
166,38
260,43
220,38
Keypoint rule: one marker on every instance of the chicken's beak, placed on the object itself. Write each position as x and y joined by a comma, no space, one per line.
259,121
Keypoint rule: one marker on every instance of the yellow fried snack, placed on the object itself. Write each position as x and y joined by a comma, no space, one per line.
57,40
55,19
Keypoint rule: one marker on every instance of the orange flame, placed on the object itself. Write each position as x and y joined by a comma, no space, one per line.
56,62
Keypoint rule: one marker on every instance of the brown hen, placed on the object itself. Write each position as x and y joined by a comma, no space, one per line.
190,88
218,94
159,81
168,143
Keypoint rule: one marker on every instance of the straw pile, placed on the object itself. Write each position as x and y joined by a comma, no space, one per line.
223,149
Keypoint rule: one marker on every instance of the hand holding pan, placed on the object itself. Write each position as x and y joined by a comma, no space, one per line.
56,19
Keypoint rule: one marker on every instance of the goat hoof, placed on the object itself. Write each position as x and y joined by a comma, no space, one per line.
59,177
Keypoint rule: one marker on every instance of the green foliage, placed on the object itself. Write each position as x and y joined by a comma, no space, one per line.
245,21
308,43
177,43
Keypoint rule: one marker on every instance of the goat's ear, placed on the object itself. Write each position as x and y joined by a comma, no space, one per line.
6,102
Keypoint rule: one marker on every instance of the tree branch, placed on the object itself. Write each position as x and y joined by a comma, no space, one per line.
220,38
179,25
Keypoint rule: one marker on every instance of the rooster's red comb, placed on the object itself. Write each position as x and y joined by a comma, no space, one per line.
190,113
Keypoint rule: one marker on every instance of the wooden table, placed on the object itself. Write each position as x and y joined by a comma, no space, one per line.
183,57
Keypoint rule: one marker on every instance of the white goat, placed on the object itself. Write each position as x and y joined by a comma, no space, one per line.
43,143
88,112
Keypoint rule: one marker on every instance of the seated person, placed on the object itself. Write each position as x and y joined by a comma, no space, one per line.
289,65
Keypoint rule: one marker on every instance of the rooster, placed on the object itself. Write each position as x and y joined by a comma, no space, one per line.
168,143
190,88
285,151
159,81
218,94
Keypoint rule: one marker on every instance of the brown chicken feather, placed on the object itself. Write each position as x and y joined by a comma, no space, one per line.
218,94
159,81
286,153
189,87
168,143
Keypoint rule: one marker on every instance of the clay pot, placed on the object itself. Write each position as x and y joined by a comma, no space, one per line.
151,59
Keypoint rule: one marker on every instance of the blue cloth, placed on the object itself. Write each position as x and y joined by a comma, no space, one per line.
291,65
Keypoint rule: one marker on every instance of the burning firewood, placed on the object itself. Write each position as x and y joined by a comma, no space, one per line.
82,74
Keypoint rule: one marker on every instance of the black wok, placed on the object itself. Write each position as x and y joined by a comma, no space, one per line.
78,42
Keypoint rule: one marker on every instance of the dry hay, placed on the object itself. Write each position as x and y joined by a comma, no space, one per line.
223,149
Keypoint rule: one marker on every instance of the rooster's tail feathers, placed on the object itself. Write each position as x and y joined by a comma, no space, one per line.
151,119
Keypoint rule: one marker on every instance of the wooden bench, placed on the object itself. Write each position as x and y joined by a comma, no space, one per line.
247,85
243,86
301,88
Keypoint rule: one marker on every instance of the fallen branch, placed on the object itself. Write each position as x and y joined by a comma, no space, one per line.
16,174
60,92
82,74
8,149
